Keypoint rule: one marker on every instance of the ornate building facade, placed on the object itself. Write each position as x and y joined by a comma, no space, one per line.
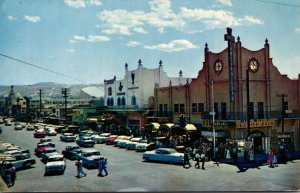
273,99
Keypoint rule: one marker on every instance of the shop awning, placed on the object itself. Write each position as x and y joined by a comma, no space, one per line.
190,127
155,125
166,126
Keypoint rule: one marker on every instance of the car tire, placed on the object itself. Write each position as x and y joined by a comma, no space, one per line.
26,165
146,159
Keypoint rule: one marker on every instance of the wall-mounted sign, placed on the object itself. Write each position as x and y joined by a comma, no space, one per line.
120,93
209,123
255,123
211,134
133,88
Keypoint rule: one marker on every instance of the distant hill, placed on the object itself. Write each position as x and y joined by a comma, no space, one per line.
49,89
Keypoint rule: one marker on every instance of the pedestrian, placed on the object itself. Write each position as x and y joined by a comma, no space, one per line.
216,155
197,159
275,161
227,154
13,176
80,171
186,159
7,175
202,157
270,158
234,153
102,167
282,152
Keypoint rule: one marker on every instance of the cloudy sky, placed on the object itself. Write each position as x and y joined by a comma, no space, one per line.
87,41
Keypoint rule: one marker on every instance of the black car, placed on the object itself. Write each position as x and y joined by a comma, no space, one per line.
71,152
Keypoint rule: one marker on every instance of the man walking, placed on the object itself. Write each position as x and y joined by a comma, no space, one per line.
80,171
186,158
102,167
13,175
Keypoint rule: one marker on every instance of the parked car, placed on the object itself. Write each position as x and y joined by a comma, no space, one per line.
119,138
110,140
30,127
131,145
14,153
168,155
39,134
85,142
7,122
61,129
49,143
18,126
101,138
145,146
90,157
20,161
51,132
68,137
71,152
55,163
1,121
48,152
86,133
11,148
41,148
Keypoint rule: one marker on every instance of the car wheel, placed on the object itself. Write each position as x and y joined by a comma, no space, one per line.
146,159
26,165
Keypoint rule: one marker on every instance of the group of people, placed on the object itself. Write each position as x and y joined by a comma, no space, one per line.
101,168
198,154
10,175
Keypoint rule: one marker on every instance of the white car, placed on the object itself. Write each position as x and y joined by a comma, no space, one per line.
18,127
51,132
119,138
168,155
100,138
133,142
55,163
30,127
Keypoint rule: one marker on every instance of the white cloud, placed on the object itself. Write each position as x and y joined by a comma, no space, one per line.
80,38
33,19
70,50
225,2
73,41
93,38
75,3
11,18
161,16
82,3
133,44
297,30
174,46
252,20
95,2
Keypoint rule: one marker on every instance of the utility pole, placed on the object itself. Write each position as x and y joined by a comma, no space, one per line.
40,94
248,103
282,111
213,117
65,92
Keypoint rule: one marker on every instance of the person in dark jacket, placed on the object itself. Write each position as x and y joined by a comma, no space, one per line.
102,167
186,158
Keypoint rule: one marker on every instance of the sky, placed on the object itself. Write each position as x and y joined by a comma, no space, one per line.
88,41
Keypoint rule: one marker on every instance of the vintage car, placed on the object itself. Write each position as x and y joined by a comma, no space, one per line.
18,126
39,134
41,148
20,161
147,146
133,142
168,155
30,127
47,141
101,138
90,157
110,140
15,153
55,163
71,152
7,122
68,137
85,141
47,152
119,138
61,129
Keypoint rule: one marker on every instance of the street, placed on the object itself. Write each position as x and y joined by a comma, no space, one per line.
128,172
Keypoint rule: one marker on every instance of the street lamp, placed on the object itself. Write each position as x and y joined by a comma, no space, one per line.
213,116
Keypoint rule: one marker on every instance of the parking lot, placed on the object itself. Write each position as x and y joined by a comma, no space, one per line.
128,172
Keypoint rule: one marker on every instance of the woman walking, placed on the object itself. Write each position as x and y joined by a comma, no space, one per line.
270,158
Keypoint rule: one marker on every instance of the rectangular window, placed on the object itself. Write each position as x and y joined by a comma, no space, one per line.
194,107
251,110
223,111
160,110
182,108
166,110
260,110
216,109
176,108
201,107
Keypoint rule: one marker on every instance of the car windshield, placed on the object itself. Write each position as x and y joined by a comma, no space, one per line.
91,153
53,159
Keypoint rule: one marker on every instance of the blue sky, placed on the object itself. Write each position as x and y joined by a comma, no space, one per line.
91,40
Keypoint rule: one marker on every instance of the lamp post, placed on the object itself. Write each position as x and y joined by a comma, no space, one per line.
213,116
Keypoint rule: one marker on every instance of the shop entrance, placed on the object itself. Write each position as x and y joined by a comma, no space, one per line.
257,139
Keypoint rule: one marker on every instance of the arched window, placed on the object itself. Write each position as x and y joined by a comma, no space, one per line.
108,102
133,100
123,101
119,101
111,101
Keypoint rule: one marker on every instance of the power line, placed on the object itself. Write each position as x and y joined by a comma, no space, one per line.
277,3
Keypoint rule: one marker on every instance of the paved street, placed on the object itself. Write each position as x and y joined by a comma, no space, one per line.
127,172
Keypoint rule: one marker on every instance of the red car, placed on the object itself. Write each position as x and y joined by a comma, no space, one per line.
111,139
41,148
40,134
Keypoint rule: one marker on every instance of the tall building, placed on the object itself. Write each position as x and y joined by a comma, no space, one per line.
131,97
273,99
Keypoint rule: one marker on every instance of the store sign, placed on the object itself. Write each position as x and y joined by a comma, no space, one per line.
255,123
209,123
